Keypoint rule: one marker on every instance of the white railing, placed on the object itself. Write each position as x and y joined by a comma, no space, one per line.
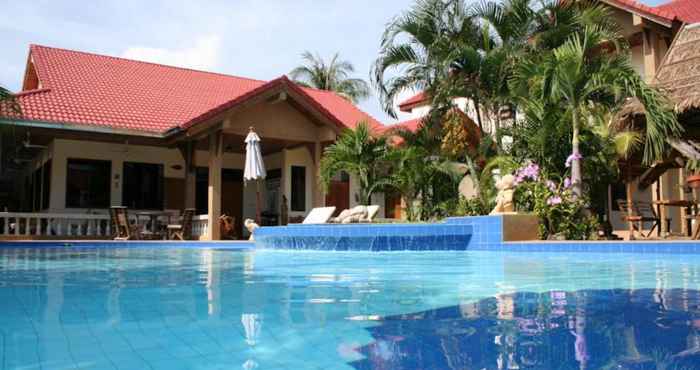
37,225
200,223
29,225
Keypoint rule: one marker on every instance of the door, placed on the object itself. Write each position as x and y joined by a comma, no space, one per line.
338,196
392,204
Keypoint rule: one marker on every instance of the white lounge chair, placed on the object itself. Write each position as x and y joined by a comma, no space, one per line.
371,213
366,213
319,215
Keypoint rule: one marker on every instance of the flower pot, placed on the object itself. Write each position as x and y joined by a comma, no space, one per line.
693,181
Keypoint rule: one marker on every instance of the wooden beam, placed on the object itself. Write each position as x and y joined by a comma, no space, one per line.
214,189
190,174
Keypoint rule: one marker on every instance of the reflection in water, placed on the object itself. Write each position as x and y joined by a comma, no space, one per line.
140,308
585,329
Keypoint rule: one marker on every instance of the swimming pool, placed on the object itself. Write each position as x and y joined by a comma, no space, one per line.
167,308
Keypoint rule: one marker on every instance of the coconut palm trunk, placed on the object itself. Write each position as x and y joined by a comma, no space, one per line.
576,176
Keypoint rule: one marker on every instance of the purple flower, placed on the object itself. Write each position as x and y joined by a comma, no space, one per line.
551,185
571,158
567,183
529,172
554,200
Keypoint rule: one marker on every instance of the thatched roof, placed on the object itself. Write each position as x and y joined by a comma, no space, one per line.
679,73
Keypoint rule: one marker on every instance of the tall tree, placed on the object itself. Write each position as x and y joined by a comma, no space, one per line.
415,49
333,75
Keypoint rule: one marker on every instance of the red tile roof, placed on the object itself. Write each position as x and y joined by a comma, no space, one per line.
89,89
411,124
686,10
641,9
415,100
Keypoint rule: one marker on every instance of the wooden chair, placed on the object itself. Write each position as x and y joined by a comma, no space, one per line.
227,227
695,233
121,228
182,231
641,213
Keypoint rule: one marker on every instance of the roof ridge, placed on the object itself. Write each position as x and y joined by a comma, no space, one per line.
33,46
32,91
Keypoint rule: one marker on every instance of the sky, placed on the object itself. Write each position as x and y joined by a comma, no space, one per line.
260,39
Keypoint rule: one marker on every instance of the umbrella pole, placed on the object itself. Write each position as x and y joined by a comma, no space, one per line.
257,202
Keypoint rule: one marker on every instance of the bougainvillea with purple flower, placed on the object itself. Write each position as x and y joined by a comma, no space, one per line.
571,158
552,199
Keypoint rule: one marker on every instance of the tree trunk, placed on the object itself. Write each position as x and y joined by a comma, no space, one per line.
477,109
576,176
497,129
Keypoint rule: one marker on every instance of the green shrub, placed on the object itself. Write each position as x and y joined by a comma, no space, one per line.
471,207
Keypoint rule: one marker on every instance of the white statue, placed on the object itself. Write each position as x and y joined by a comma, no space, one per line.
251,226
504,199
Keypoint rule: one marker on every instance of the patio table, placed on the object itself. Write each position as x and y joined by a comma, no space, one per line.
153,217
663,203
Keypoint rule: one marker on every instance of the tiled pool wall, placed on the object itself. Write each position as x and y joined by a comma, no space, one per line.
455,233
458,233
366,237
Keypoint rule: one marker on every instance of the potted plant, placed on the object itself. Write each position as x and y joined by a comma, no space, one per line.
693,165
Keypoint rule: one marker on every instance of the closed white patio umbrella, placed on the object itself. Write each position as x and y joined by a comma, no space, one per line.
254,166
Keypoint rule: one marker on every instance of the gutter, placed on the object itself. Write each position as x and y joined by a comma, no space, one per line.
82,128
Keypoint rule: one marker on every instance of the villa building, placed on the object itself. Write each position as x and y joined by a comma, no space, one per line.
97,131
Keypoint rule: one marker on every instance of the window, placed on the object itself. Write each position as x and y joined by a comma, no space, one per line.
298,189
88,183
142,185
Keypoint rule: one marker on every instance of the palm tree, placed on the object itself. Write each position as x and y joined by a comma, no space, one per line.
333,75
579,77
420,173
418,45
361,154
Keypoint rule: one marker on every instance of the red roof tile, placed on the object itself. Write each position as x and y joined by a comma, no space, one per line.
686,10
90,89
413,101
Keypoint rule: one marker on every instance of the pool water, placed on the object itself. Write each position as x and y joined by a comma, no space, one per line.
141,308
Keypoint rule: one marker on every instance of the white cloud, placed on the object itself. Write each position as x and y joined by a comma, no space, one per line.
203,54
